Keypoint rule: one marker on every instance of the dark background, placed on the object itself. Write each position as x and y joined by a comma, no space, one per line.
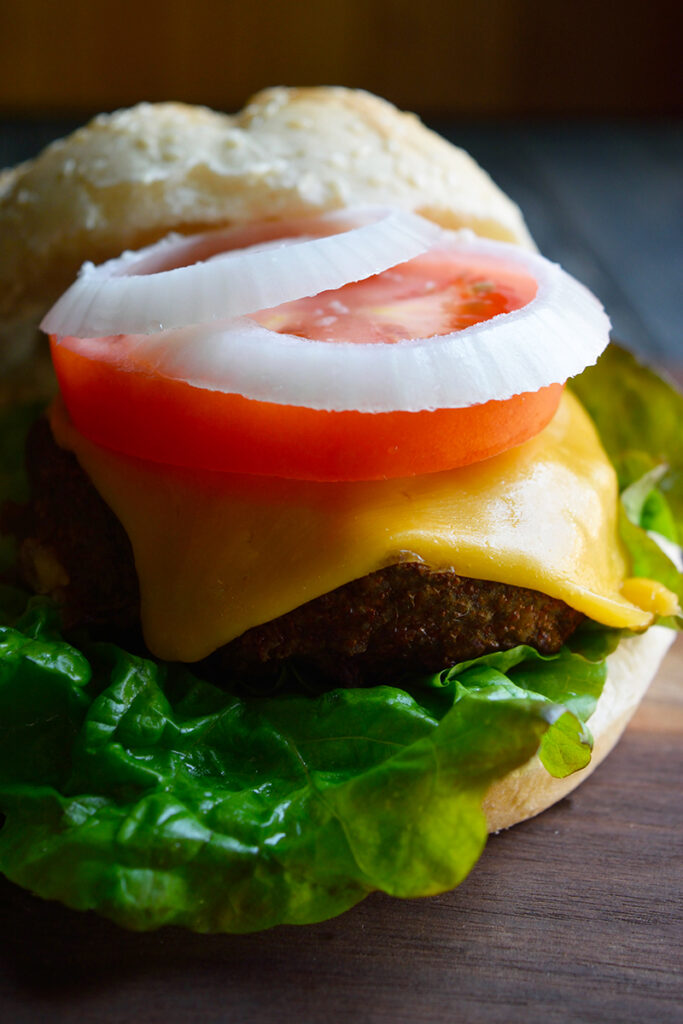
475,58
574,108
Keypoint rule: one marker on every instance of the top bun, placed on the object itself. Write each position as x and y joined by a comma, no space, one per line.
128,178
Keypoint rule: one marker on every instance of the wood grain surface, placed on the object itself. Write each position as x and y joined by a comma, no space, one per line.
574,916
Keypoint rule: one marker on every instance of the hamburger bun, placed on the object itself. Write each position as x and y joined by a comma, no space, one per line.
131,177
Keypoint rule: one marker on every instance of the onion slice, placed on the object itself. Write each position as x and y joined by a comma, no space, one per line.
226,274
554,336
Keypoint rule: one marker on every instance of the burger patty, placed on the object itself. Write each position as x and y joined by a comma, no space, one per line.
404,618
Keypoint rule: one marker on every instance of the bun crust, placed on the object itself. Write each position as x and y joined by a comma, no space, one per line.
530,789
128,178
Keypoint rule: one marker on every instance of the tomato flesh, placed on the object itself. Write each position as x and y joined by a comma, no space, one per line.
140,411
429,296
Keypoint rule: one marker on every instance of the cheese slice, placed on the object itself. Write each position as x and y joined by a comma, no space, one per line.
218,553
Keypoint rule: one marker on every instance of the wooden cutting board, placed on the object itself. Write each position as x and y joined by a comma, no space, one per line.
574,916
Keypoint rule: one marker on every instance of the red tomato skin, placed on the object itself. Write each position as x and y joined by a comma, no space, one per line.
169,421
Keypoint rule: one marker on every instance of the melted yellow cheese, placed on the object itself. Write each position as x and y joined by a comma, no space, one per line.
218,553
651,596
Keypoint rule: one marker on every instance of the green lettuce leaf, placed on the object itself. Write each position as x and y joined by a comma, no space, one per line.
140,791
646,506
572,679
639,416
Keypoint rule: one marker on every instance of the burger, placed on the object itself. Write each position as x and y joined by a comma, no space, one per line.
347,538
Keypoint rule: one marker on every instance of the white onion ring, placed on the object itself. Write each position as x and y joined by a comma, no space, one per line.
137,294
556,335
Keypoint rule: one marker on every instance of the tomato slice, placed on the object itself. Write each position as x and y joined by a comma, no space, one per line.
170,421
140,411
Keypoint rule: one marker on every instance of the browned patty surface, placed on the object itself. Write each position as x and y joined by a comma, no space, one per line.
402,619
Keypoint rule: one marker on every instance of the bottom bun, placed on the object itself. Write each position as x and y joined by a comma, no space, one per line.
530,789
